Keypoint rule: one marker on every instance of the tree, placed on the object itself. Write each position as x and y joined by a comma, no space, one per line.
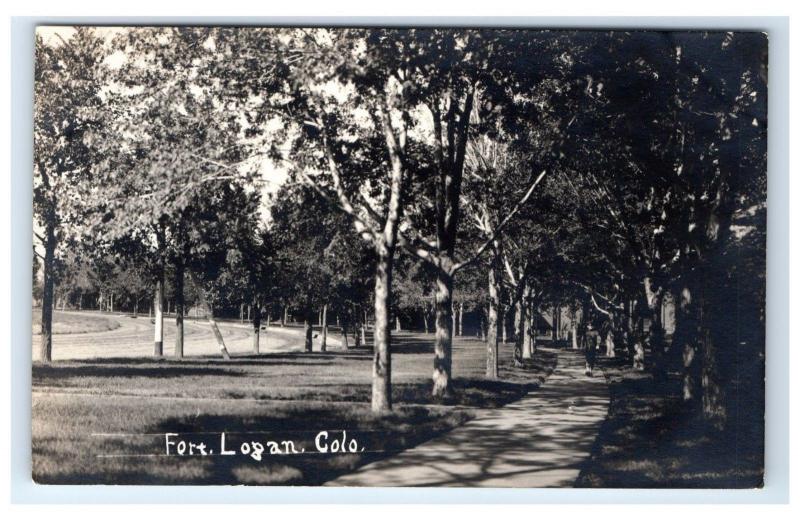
181,157
348,113
303,228
468,83
497,165
67,86
688,133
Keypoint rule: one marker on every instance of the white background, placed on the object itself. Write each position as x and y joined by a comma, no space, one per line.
782,216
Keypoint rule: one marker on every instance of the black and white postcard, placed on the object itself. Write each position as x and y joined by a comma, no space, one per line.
385,256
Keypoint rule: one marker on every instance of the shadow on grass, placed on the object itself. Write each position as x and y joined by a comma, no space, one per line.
289,358
66,458
55,373
376,437
650,440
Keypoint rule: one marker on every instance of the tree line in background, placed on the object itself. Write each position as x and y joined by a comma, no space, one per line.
431,172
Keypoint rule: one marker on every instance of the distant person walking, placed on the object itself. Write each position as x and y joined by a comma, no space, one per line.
590,351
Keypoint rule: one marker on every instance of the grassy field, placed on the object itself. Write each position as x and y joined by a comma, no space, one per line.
647,441
87,413
73,323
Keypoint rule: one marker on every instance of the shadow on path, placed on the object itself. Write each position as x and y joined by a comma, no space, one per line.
538,441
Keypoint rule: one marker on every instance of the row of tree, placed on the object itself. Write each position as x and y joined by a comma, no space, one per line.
509,169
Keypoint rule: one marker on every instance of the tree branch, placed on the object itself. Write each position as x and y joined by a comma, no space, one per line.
362,228
499,229
417,252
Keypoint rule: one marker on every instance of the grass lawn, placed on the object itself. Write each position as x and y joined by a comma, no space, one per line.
647,442
73,323
275,397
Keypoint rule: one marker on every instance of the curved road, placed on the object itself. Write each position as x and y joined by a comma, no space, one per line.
134,339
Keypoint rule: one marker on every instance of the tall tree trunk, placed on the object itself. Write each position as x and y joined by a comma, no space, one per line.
685,338
630,330
573,325
46,347
324,336
519,329
533,325
454,316
381,336
179,306
527,327
555,324
256,327
285,319
655,336
715,332
611,351
504,323
460,319
308,330
217,334
494,306
425,320
443,347
636,343
363,329
344,332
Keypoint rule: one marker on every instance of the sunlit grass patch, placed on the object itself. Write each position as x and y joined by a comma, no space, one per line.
74,323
